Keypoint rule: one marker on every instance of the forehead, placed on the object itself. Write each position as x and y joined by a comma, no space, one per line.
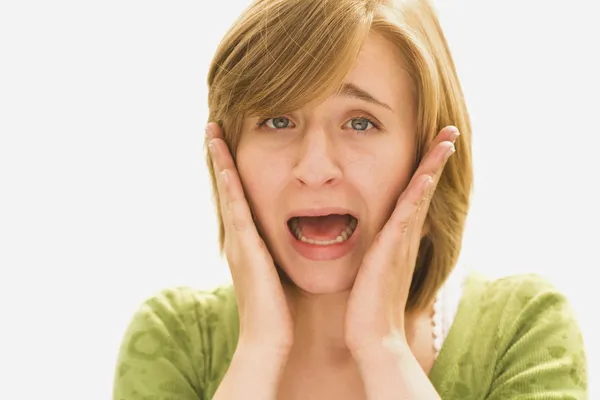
381,70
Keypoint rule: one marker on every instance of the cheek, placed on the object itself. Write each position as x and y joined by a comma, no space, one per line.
262,179
380,181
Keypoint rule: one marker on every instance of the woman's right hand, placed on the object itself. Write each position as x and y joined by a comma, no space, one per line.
265,318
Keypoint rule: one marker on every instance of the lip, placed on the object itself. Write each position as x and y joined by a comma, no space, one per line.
316,252
320,211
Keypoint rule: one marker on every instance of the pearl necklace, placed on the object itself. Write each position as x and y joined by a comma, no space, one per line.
446,305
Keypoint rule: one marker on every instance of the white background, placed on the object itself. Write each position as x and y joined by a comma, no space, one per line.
104,194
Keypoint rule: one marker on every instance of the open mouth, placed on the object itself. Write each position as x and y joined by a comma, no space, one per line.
323,230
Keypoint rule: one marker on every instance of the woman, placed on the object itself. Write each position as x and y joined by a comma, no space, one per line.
341,166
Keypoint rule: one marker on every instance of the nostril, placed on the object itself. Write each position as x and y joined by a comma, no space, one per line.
316,171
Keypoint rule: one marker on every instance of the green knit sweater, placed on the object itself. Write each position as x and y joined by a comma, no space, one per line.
512,338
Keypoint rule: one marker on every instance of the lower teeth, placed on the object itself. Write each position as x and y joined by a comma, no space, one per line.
339,239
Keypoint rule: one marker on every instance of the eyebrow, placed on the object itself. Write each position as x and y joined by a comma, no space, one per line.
353,91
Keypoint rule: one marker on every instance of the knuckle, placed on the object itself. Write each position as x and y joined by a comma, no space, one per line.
238,224
404,225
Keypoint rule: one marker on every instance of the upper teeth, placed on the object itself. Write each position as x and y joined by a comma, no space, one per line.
343,236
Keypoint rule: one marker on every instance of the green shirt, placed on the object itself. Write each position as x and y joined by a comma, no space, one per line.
511,338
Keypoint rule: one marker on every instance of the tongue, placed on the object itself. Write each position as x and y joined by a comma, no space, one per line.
327,227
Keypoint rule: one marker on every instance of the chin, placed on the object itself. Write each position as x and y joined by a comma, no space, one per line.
319,277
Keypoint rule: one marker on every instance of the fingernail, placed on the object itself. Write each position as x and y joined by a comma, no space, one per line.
208,132
454,135
211,147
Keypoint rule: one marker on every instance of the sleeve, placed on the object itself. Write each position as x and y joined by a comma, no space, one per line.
157,357
542,351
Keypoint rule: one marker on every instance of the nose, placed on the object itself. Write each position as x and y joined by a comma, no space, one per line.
316,165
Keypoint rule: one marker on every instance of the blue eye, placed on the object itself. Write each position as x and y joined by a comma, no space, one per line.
277,123
358,124
362,126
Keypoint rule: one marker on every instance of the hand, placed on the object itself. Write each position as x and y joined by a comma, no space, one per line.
265,318
375,311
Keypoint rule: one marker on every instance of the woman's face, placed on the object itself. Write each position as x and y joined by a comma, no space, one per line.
347,156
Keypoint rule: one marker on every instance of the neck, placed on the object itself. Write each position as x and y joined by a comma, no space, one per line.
319,324
319,321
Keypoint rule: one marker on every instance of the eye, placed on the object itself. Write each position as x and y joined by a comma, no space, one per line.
275,123
362,124
358,124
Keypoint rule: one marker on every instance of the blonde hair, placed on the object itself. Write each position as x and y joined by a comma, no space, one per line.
283,54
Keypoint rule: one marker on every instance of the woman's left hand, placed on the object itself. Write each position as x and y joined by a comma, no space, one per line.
375,311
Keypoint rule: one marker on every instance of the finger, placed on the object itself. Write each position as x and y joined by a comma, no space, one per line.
423,182
423,179
431,170
433,164
406,222
430,167
448,134
213,130
398,241
441,148
400,222
234,206
387,266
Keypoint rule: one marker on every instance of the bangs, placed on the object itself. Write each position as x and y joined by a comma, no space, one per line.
287,54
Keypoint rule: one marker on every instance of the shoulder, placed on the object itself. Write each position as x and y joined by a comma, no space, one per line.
522,287
518,335
517,305
507,285
518,302
186,305
171,342
510,295
180,311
